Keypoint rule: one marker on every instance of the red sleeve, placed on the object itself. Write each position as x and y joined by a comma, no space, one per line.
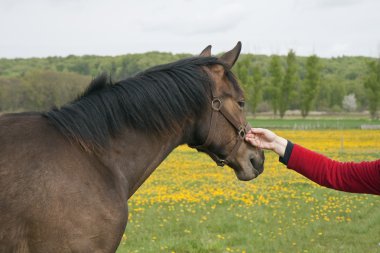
362,177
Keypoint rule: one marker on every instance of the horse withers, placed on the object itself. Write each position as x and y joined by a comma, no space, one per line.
66,174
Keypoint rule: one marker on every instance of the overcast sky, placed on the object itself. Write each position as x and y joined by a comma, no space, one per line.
327,28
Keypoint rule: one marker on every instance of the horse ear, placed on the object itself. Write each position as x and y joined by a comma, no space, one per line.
206,52
230,57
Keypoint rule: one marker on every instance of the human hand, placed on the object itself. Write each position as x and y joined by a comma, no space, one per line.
266,139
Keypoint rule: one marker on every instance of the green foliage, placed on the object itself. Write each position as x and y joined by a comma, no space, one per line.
276,78
275,82
310,84
287,86
11,90
372,84
256,84
40,90
119,67
250,77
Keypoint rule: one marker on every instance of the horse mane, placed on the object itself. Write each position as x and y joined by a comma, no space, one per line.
155,101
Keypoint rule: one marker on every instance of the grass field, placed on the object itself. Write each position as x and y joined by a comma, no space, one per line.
190,205
313,123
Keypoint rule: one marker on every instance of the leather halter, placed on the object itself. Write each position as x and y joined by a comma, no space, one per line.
240,125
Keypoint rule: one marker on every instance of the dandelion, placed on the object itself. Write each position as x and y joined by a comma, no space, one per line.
220,237
201,189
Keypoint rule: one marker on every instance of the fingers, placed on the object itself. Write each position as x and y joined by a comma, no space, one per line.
250,135
255,132
254,139
260,137
258,130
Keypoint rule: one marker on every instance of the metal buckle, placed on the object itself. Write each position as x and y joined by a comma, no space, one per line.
221,162
216,104
242,132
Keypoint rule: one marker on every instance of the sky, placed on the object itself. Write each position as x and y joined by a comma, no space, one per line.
327,28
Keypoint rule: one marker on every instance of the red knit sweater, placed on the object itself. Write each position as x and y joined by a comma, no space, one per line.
361,177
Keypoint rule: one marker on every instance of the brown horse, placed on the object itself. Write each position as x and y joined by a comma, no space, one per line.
66,175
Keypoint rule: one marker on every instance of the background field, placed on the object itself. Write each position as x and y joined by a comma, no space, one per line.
190,205
298,123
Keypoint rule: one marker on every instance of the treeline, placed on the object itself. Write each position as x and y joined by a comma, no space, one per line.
39,90
272,83
38,84
280,83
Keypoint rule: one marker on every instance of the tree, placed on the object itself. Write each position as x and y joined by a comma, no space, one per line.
310,84
337,92
43,89
250,78
372,85
11,95
80,67
256,95
349,103
275,71
288,84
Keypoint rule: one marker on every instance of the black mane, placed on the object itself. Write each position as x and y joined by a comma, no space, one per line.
155,101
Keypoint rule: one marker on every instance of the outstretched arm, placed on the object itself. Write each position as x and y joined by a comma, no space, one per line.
361,177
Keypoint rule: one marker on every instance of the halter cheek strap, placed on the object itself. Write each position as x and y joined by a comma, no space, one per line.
241,126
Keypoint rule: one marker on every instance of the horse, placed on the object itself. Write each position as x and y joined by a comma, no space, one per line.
66,174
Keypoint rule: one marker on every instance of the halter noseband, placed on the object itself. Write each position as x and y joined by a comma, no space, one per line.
241,127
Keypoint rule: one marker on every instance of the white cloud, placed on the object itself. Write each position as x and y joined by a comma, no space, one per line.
193,21
62,27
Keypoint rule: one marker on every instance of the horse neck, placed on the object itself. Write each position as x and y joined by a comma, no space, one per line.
134,156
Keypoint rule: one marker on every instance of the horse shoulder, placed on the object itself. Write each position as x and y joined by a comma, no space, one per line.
61,195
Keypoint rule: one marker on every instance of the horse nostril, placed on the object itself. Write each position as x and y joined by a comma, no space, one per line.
258,165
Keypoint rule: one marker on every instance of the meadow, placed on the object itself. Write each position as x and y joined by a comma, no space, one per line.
191,205
314,123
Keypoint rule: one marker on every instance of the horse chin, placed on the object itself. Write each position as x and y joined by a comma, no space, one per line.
245,176
249,170
246,172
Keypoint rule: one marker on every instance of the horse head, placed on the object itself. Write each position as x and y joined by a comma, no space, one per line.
223,125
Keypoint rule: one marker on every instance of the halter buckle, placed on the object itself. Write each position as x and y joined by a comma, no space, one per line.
242,132
221,162
216,104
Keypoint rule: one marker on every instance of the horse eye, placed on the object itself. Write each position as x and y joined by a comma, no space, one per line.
241,104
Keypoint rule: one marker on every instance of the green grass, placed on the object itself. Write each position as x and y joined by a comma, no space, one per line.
230,227
298,216
305,124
